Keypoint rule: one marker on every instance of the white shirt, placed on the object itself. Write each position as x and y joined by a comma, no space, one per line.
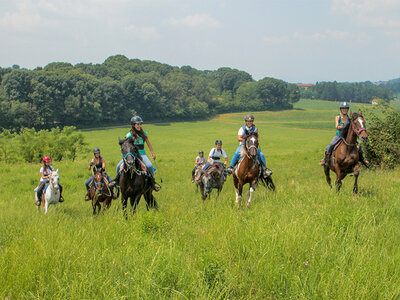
46,172
215,153
242,133
200,160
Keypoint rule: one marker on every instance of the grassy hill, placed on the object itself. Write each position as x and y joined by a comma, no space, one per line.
303,241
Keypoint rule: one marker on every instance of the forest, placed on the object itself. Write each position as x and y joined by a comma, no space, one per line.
96,95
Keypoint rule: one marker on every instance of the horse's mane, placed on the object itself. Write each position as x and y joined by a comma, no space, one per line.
345,131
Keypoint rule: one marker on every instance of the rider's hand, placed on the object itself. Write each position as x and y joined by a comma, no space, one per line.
88,168
153,156
225,163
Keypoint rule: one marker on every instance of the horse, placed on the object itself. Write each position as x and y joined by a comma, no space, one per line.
52,193
100,191
134,180
344,159
248,170
211,178
197,175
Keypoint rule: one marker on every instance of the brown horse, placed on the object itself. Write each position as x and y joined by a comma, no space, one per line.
99,191
345,157
248,170
211,178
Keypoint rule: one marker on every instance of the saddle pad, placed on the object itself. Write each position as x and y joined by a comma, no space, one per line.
45,188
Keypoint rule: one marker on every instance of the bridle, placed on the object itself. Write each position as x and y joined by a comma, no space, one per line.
354,129
131,167
251,146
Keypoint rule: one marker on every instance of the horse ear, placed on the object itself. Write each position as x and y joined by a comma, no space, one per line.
120,141
359,112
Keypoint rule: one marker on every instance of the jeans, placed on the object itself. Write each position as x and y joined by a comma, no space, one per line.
333,142
236,157
207,165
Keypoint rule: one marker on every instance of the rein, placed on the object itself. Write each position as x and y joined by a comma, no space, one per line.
132,168
357,132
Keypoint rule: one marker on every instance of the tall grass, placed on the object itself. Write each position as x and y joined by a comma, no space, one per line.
303,241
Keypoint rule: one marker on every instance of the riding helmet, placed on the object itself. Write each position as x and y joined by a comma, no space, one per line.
218,142
249,117
46,158
136,119
96,150
344,105
201,151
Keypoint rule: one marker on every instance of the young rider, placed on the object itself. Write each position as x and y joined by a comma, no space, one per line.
99,164
215,156
200,160
45,173
140,137
341,121
247,130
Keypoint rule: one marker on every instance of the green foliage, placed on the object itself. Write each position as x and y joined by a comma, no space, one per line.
383,124
362,92
88,95
30,145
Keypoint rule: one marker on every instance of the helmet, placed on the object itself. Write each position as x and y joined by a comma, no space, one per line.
136,119
96,150
249,117
344,105
201,151
46,159
218,142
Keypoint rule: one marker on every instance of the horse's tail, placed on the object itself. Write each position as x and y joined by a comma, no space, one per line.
267,182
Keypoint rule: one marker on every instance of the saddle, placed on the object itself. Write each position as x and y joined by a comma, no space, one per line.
142,166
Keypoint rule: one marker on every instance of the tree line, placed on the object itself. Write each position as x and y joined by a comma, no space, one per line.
92,95
362,92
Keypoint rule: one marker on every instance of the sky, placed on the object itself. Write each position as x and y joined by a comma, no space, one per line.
297,41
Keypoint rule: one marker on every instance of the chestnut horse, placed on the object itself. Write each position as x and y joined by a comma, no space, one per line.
248,170
99,191
345,157
134,179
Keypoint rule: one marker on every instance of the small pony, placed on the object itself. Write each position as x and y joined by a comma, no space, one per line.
99,192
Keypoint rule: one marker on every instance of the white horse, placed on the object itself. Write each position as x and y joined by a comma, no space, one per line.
52,194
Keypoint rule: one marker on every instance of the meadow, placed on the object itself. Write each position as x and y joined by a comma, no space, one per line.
304,241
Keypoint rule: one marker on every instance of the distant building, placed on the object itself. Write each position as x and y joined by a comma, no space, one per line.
305,85
376,101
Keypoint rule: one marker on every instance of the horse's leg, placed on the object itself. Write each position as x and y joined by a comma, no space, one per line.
239,191
150,200
46,205
339,177
328,178
250,193
135,202
356,173
124,202
202,192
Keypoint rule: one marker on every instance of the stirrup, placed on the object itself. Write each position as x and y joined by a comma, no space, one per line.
156,187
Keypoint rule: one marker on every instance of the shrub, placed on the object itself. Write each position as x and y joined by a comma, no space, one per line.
383,125
30,145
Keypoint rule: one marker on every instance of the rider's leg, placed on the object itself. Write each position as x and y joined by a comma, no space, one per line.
206,166
116,179
235,158
193,171
328,153
150,169
39,192
87,188
61,197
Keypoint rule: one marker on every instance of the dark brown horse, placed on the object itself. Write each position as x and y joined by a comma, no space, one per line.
100,192
344,159
248,171
211,178
134,180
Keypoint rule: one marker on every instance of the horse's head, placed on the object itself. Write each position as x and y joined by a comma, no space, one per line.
99,180
252,145
129,151
54,178
212,177
358,125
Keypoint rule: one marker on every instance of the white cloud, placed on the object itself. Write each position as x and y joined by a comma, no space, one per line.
370,13
22,21
143,33
198,20
297,36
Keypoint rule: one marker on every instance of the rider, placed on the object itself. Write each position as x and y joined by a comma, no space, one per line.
200,160
45,173
341,121
140,136
247,130
215,156
99,164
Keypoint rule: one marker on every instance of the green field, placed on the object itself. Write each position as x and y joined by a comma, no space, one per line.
303,241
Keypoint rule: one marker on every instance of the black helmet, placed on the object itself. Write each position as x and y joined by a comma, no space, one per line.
344,105
218,142
136,119
201,151
96,150
249,117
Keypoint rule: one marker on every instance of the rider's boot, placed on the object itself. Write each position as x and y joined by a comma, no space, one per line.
116,180
229,171
156,187
61,197
87,196
327,157
265,171
322,161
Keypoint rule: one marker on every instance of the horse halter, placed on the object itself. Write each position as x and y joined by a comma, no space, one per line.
354,128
